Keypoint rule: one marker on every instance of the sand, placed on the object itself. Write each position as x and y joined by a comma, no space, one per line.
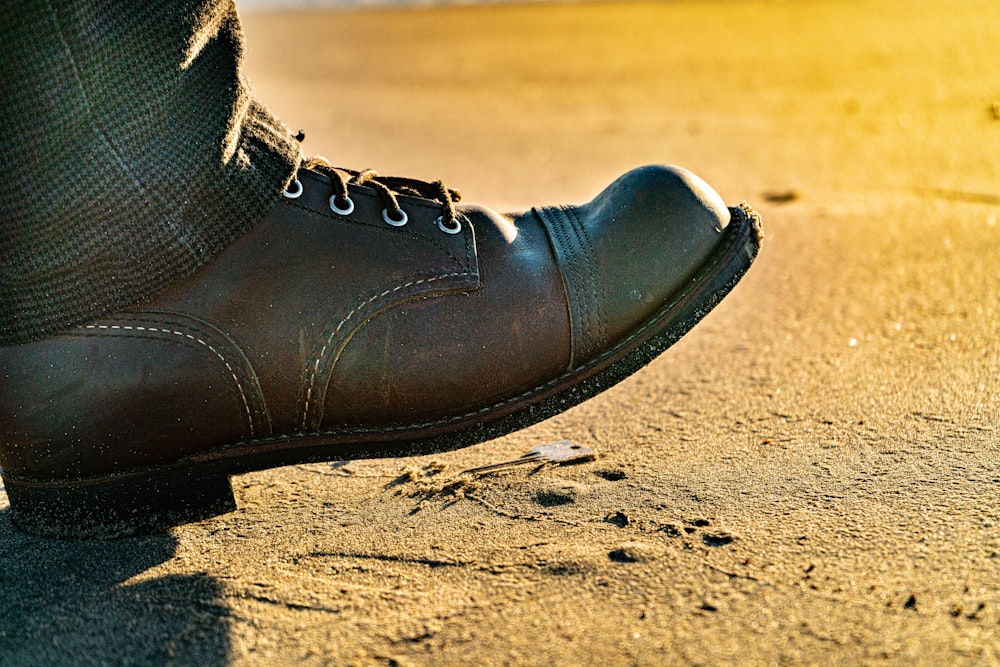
811,476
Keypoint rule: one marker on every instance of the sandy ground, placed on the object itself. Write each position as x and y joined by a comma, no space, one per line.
811,476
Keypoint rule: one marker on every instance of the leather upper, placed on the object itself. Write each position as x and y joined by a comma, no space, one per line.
315,321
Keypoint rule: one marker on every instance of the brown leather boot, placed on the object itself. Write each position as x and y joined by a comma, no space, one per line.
364,317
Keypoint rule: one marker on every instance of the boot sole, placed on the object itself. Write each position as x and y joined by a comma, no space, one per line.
198,487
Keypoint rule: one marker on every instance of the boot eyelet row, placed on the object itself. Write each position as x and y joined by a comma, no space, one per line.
346,209
400,219
294,191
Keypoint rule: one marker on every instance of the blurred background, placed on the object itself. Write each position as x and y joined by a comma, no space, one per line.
803,98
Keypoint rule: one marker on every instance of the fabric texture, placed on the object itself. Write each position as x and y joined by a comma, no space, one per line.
131,152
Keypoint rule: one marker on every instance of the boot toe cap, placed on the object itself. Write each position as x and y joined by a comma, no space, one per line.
633,249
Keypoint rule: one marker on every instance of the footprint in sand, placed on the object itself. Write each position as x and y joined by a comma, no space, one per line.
633,552
611,475
559,493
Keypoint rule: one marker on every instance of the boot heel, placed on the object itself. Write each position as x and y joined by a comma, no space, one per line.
117,506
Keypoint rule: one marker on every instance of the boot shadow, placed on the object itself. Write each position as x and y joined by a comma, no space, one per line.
66,602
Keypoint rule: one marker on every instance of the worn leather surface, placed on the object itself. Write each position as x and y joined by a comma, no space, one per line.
314,322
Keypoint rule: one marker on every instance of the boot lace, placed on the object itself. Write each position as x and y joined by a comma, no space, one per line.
387,187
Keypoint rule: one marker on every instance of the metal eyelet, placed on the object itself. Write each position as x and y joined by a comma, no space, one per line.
395,223
455,227
346,210
296,193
